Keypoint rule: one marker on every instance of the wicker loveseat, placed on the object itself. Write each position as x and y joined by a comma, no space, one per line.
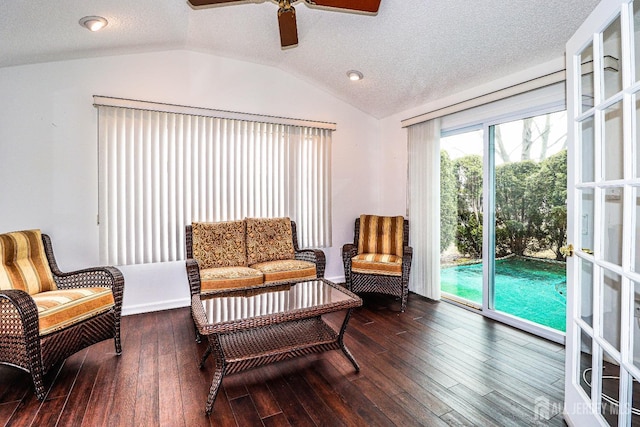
379,259
247,253
47,315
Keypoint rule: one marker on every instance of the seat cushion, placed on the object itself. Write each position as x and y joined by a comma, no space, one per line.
65,307
23,263
389,265
213,279
269,239
219,244
381,235
288,270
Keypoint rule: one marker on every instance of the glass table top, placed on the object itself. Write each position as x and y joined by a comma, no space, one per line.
237,305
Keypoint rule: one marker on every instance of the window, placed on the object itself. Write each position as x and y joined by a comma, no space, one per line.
162,167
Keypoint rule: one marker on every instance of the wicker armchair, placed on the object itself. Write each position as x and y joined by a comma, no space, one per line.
379,259
47,315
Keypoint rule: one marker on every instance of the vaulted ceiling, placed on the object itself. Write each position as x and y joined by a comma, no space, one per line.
411,52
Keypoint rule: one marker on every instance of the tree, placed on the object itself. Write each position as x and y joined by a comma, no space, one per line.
544,136
448,201
469,234
527,138
468,174
550,195
516,217
501,151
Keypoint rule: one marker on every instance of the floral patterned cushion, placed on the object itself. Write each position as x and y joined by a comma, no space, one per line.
287,270
219,244
269,239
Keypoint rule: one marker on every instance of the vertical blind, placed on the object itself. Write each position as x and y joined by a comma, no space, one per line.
423,147
159,171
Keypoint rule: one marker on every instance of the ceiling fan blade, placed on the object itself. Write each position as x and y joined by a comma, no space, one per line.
370,6
288,27
197,3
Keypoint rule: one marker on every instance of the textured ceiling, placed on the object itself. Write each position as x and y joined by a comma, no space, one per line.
411,52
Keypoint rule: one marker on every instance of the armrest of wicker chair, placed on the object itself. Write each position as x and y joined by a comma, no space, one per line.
349,250
315,256
19,334
106,276
407,256
193,275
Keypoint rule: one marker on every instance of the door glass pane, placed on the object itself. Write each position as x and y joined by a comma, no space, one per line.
635,403
636,146
586,291
635,265
636,34
584,374
586,81
586,220
612,244
635,349
461,216
586,147
611,307
610,386
613,147
611,55
531,218
635,327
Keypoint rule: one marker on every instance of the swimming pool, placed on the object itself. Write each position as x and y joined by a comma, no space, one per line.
524,287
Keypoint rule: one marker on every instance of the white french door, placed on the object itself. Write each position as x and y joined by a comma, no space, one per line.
603,275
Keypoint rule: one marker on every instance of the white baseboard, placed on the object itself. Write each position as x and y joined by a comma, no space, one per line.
155,306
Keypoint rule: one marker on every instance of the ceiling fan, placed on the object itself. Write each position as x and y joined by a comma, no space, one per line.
287,13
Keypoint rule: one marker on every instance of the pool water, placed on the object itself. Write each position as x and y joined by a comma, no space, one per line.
526,288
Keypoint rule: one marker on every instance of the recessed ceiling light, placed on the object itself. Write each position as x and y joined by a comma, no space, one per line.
93,23
355,75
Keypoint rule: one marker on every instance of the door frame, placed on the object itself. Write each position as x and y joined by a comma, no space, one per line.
579,408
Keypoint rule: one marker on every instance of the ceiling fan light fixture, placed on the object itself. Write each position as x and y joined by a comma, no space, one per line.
354,75
93,23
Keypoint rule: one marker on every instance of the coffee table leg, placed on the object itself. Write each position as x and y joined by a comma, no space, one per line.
344,348
218,354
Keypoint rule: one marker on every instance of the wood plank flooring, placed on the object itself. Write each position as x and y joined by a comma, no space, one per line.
434,365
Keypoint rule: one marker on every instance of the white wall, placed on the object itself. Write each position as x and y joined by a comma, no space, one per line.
48,149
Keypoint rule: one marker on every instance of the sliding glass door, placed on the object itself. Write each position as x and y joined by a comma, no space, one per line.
530,220
503,220
461,216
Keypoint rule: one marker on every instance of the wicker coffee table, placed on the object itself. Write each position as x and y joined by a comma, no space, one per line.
247,328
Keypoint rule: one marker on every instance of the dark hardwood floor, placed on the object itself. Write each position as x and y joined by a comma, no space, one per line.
435,364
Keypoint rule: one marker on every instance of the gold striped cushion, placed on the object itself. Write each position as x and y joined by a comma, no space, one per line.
390,265
288,270
380,235
212,279
65,307
23,263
